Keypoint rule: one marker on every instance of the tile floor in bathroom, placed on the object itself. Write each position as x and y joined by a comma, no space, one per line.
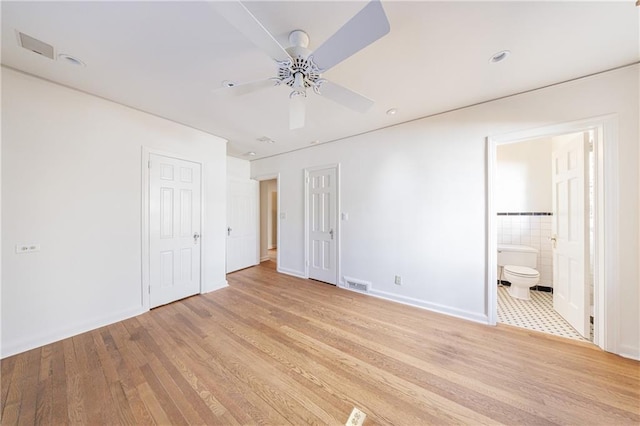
535,314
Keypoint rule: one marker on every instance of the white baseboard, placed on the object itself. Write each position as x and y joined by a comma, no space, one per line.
215,287
628,351
434,307
264,259
292,273
32,342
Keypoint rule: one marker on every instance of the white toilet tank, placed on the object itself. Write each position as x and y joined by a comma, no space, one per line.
509,254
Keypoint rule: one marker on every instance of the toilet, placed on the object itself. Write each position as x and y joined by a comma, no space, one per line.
517,265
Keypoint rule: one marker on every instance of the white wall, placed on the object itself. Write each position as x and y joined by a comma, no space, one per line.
416,192
71,182
523,177
238,168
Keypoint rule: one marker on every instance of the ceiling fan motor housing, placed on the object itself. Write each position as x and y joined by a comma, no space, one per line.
300,72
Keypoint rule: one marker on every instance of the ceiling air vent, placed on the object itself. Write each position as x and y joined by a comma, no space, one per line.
35,45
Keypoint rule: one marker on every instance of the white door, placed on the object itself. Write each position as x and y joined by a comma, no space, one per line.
242,224
570,230
174,229
322,208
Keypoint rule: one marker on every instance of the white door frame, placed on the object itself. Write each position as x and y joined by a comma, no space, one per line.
306,219
144,220
261,178
606,265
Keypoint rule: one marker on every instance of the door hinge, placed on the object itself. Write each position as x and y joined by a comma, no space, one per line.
306,180
149,289
149,164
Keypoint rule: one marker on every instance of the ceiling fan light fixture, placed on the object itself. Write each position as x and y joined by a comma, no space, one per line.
499,57
297,93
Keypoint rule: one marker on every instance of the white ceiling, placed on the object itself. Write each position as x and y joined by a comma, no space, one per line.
167,58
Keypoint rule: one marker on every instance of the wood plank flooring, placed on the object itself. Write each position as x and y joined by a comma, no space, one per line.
273,349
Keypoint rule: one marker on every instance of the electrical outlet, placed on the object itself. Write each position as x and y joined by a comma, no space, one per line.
27,248
398,280
356,418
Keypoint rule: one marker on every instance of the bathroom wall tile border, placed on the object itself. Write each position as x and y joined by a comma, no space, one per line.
526,214
535,287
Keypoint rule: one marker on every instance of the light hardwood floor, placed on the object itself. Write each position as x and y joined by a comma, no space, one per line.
273,349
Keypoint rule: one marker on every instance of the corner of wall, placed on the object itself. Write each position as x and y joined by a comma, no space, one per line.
213,287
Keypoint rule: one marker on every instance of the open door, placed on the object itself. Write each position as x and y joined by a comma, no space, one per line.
242,224
570,230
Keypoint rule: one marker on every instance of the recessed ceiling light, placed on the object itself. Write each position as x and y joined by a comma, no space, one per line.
249,154
314,142
71,60
392,111
266,139
228,83
499,57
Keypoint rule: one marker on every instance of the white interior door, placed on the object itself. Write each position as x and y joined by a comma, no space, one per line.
174,229
322,208
570,230
242,224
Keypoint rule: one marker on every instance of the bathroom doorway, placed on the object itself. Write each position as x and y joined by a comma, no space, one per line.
543,192
602,259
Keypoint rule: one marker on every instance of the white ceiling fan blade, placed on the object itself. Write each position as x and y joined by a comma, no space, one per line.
244,88
345,97
244,21
364,28
297,107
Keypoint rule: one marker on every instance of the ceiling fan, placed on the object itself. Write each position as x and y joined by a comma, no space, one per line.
298,67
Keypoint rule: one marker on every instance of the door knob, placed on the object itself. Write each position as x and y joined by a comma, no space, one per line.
195,238
554,240
331,233
229,230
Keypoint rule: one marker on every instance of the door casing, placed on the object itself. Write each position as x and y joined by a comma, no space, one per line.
606,264
261,178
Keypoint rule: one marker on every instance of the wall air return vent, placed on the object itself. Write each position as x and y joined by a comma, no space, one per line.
357,285
35,45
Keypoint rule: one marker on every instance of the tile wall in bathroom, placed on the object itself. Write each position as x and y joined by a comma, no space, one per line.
531,229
